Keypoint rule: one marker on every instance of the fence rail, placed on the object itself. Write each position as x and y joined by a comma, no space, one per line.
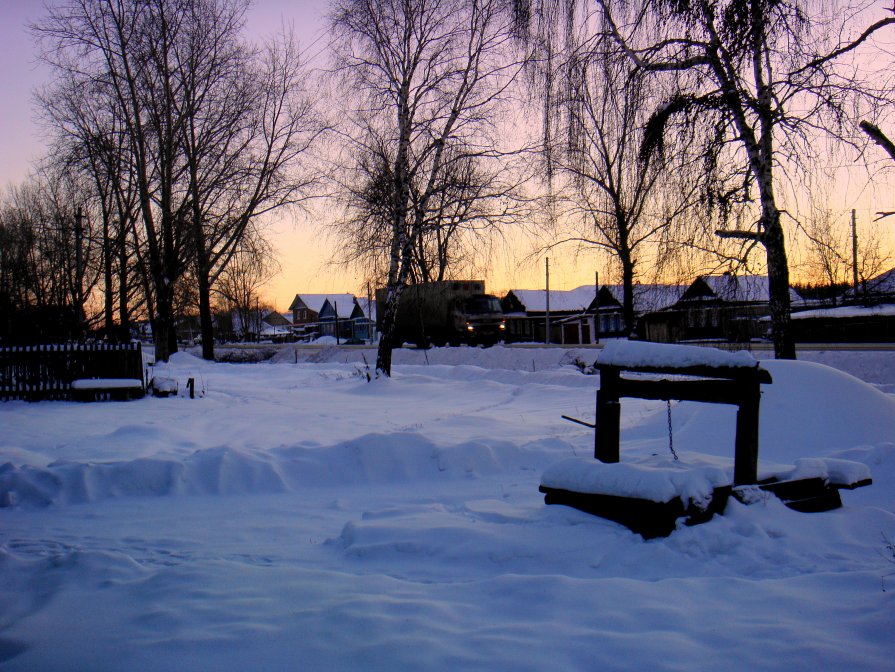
46,372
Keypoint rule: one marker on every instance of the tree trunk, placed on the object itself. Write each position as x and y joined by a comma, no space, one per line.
205,318
161,329
109,297
386,338
628,292
123,317
778,288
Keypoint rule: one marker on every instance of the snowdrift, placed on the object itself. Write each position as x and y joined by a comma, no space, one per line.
294,516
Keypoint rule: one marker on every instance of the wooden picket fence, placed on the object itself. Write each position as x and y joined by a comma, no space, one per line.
46,372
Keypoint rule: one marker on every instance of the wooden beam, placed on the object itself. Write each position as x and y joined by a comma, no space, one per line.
706,391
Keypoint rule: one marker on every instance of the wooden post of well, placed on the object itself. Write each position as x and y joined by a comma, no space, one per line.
745,467
606,434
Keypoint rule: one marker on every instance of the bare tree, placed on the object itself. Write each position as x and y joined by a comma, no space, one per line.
248,124
462,217
239,284
212,128
126,50
614,197
51,253
427,76
827,257
88,136
760,76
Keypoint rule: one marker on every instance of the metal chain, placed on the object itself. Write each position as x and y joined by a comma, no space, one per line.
670,432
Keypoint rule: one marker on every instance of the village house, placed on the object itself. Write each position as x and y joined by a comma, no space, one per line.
526,310
580,315
647,298
724,307
337,315
345,320
305,309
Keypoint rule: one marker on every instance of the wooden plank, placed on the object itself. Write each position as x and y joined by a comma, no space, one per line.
647,518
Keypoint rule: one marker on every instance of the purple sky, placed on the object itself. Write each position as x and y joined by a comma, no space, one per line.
305,251
21,73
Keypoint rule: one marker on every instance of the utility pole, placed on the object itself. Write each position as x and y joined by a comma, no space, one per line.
547,321
369,313
854,251
597,307
336,309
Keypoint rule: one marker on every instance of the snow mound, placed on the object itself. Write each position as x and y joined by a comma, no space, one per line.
810,410
372,459
214,471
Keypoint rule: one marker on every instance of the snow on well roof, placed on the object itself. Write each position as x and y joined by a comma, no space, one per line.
639,354
644,481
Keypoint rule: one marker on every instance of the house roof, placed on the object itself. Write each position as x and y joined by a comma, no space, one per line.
344,304
275,330
274,318
315,302
733,289
368,307
572,300
649,298
884,283
270,322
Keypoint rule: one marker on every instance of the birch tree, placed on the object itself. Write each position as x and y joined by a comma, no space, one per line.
427,78
761,77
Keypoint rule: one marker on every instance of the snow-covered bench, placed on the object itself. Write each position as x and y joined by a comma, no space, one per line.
99,389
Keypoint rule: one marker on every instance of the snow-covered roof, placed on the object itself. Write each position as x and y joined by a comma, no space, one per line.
275,330
315,302
883,283
846,311
343,304
649,297
742,288
535,300
275,318
368,307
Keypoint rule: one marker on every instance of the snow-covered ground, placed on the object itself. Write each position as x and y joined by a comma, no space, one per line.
296,517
